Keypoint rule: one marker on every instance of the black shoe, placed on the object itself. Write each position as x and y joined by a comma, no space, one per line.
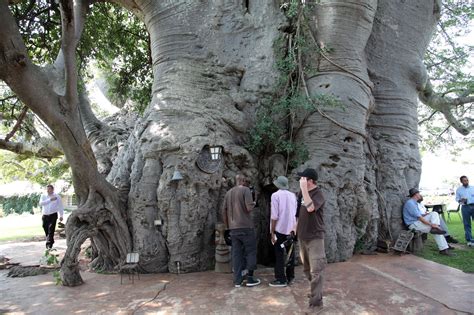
436,230
278,284
451,239
446,252
251,282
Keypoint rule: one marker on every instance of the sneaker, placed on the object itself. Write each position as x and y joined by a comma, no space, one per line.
445,252
278,284
251,281
237,285
451,239
470,244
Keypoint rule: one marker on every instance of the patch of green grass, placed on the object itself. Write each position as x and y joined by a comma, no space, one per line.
464,255
21,233
20,227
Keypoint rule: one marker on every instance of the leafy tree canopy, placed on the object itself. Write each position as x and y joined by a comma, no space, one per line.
114,40
37,170
449,64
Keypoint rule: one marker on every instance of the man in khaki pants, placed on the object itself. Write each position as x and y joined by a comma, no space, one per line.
310,233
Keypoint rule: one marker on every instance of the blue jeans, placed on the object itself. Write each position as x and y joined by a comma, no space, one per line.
244,252
467,215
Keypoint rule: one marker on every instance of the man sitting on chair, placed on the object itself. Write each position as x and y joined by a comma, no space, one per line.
428,222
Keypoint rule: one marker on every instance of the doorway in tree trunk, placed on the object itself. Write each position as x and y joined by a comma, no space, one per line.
265,254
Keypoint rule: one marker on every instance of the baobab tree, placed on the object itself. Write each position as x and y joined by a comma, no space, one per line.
342,98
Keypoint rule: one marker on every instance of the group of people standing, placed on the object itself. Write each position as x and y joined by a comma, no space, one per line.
301,215
291,214
294,215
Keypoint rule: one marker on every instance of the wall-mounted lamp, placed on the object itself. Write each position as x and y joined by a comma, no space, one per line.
215,152
210,158
176,176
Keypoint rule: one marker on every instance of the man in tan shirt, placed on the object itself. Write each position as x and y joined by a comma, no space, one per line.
238,203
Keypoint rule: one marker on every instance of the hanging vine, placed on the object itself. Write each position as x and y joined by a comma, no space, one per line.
281,116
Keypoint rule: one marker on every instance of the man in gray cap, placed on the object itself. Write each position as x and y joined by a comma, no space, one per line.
424,222
282,226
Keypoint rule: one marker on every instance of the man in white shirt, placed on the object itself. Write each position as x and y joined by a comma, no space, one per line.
465,196
51,205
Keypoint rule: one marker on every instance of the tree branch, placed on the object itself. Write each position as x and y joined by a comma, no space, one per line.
17,124
7,98
445,104
46,149
427,118
68,48
18,72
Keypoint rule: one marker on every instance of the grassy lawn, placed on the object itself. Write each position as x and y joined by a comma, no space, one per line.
464,255
20,227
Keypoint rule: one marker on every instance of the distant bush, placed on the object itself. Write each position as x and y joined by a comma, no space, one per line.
20,204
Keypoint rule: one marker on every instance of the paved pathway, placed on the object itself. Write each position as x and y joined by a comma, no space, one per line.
381,284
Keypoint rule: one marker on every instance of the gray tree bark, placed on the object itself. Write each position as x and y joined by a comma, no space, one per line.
213,64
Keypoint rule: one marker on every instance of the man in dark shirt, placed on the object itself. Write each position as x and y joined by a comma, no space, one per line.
310,231
238,203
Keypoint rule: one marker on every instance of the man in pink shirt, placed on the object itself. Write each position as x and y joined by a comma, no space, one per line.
282,226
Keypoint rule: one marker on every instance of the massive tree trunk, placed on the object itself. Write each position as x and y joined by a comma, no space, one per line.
368,155
213,64
395,54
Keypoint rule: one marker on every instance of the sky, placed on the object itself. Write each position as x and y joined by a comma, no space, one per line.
442,170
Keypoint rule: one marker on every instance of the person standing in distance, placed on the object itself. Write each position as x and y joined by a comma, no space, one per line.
51,205
282,226
465,197
237,205
310,231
